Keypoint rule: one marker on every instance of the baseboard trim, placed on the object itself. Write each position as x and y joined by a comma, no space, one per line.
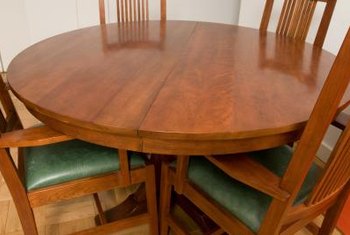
324,152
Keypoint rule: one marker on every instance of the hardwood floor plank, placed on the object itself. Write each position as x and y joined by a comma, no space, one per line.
13,224
71,210
4,208
70,226
4,192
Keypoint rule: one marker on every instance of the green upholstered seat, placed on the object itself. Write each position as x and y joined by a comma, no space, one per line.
65,161
246,203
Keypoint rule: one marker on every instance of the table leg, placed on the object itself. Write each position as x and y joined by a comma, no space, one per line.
136,203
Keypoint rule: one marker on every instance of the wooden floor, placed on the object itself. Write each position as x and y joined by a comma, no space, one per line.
65,217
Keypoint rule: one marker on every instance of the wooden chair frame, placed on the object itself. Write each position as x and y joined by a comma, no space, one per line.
43,135
295,19
131,11
329,194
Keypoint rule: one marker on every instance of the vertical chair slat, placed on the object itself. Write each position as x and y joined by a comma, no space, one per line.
143,10
337,164
102,12
135,16
126,11
311,6
291,21
163,10
118,11
139,10
340,169
297,14
303,17
281,19
130,10
325,21
147,11
122,11
266,15
286,15
339,175
301,13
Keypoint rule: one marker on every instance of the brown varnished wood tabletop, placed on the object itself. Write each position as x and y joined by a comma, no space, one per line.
174,88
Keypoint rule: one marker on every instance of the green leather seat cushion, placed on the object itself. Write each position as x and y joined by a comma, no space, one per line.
70,160
246,203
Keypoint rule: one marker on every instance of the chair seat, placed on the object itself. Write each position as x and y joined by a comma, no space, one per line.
244,202
65,161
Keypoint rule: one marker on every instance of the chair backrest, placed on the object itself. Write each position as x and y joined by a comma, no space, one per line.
131,10
133,35
296,16
336,173
9,119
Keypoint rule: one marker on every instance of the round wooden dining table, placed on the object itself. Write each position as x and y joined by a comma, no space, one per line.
172,88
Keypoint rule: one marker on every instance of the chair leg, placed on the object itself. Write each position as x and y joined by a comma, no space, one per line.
151,199
19,194
333,213
101,215
20,163
165,197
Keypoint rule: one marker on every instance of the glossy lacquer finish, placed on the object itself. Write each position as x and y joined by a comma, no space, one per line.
174,87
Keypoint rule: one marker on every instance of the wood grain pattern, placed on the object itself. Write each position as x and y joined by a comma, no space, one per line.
205,83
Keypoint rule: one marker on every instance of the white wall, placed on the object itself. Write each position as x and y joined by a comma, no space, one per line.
50,17
223,11
24,22
251,16
14,31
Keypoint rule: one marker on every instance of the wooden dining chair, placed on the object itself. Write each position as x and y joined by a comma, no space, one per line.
274,191
296,16
295,20
133,29
53,167
294,23
131,10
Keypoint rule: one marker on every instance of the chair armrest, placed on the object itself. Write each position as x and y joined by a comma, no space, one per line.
242,168
31,137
